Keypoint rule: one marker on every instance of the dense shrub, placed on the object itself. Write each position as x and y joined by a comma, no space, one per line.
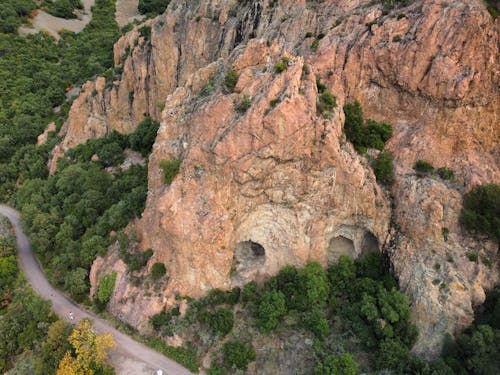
423,166
383,168
221,321
481,210
493,7
373,134
144,136
446,173
269,310
342,364
152,7
63,8
244,105
326,103
238,354
315,322
158,270
231,80
106,288
282,65
170,169
11,13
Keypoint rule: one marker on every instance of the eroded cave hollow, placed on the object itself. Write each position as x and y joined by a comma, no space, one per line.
338,246
369,243
249,256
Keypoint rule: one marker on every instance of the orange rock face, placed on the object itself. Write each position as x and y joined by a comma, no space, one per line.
278,183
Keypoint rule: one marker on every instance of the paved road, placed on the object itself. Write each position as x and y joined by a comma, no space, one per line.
128,353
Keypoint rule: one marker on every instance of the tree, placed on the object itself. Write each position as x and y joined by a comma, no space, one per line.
222,321
238,354
76,282
343,364
53,349
152,7
481,210
270,309
383,168
158,270
90,351
144,136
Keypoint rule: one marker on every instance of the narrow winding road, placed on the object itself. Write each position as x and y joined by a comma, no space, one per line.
128,356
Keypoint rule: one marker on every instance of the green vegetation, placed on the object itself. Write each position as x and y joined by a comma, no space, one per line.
326,100
423,167
106,288
237,355
76,208
373,134
170,169
152,8
12,14
493,7
231,80
32,340
184,356
221,321
144,136
244,105
34,74
158,271
62,8
446,173
342,364
354,312
383,168
270,310
481,211
282,65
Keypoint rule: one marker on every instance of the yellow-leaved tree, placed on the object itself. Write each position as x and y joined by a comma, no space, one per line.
91,351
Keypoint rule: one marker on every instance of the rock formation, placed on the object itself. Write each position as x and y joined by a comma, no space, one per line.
278,183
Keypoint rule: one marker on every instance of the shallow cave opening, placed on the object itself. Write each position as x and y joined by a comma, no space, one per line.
369,244
249,256
340,246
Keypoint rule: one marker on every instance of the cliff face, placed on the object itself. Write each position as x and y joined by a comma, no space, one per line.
279,184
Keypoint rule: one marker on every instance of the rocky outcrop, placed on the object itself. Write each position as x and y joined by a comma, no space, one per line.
278,184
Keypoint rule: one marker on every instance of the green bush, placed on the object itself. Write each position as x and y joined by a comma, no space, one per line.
143,138
383,168
221,322
231,80
326,103
63,8
270,310
446,173
152,7
315,322
372,135
238,354
423,166
343,364
282,65
250,292
244,105
158,270
170,169
493,7
106,288
481,210
145,32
